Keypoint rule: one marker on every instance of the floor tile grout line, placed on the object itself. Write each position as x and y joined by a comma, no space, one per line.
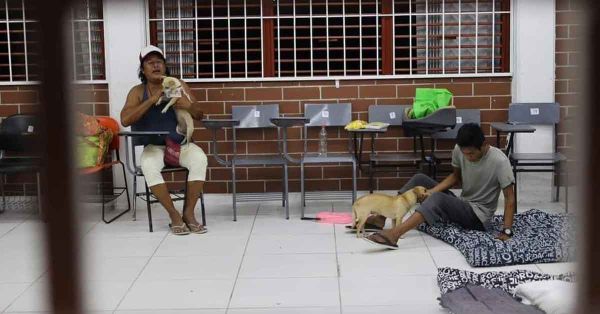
237,275
33,282
337,264
141,271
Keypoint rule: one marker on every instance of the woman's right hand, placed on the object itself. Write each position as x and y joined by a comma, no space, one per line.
156,98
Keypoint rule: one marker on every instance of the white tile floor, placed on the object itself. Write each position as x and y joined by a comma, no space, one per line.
260,264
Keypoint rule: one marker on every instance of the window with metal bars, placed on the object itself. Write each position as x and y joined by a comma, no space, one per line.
248,39
87,28
19,44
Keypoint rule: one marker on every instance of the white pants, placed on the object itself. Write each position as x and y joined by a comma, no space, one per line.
192,157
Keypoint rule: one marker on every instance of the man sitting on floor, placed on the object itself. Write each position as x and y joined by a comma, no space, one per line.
483,171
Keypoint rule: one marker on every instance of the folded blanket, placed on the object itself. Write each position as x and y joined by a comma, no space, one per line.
450,279
552,296
472,299
539,238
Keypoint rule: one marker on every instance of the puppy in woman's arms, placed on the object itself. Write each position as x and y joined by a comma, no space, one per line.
393,207
173,90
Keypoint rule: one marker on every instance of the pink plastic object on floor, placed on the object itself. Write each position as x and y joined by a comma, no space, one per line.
334,218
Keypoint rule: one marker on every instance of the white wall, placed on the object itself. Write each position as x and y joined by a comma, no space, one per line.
533,65
124,36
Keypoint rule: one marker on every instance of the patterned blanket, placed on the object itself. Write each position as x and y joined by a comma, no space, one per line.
450,279
539,238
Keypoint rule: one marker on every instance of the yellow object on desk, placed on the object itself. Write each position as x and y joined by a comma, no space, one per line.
356,125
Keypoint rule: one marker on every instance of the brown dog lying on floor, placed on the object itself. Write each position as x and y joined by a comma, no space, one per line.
393,207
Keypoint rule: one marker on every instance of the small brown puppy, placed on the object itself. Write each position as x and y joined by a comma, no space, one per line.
394,207
185,123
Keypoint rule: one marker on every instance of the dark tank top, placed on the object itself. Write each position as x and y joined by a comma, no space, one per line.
155,120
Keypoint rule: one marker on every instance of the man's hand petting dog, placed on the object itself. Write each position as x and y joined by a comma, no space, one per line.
424,196
502,237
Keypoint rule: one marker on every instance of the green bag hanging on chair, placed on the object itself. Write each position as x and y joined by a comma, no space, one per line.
428,100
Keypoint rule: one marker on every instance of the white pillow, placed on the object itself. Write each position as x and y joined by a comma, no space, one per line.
551,296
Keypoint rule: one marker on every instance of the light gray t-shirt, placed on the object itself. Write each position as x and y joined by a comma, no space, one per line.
483,180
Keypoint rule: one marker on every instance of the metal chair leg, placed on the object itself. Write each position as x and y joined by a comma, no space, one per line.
39,195
3,196
202,208
148,207
371,174
353,182
134,215
566,187
556,173
233,190
285,192
516,188
302,200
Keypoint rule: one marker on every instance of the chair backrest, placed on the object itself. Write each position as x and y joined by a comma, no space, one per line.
463,116
534,113
15,127
112,125
328,114
257,116
19,124
391,114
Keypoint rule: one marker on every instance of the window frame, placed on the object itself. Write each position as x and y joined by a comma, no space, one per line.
70,62
270,70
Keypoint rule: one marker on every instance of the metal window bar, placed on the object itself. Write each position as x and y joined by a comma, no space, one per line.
89,29
410,38
164,29
344,32
278,40
444,37
196,63
493,36
311,38
179,35
10,74
262,55
245,40
294,26
426,37
394,38
327,32
73,41
377,38
229,36
459,36
360,58
25,40
476,35
212,34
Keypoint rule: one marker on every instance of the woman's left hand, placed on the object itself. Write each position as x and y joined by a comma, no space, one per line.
183,103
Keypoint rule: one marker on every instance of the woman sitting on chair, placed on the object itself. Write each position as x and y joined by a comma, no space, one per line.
141,111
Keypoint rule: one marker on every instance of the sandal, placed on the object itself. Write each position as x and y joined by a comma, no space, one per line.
381,240
180,229
197,228
368,228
